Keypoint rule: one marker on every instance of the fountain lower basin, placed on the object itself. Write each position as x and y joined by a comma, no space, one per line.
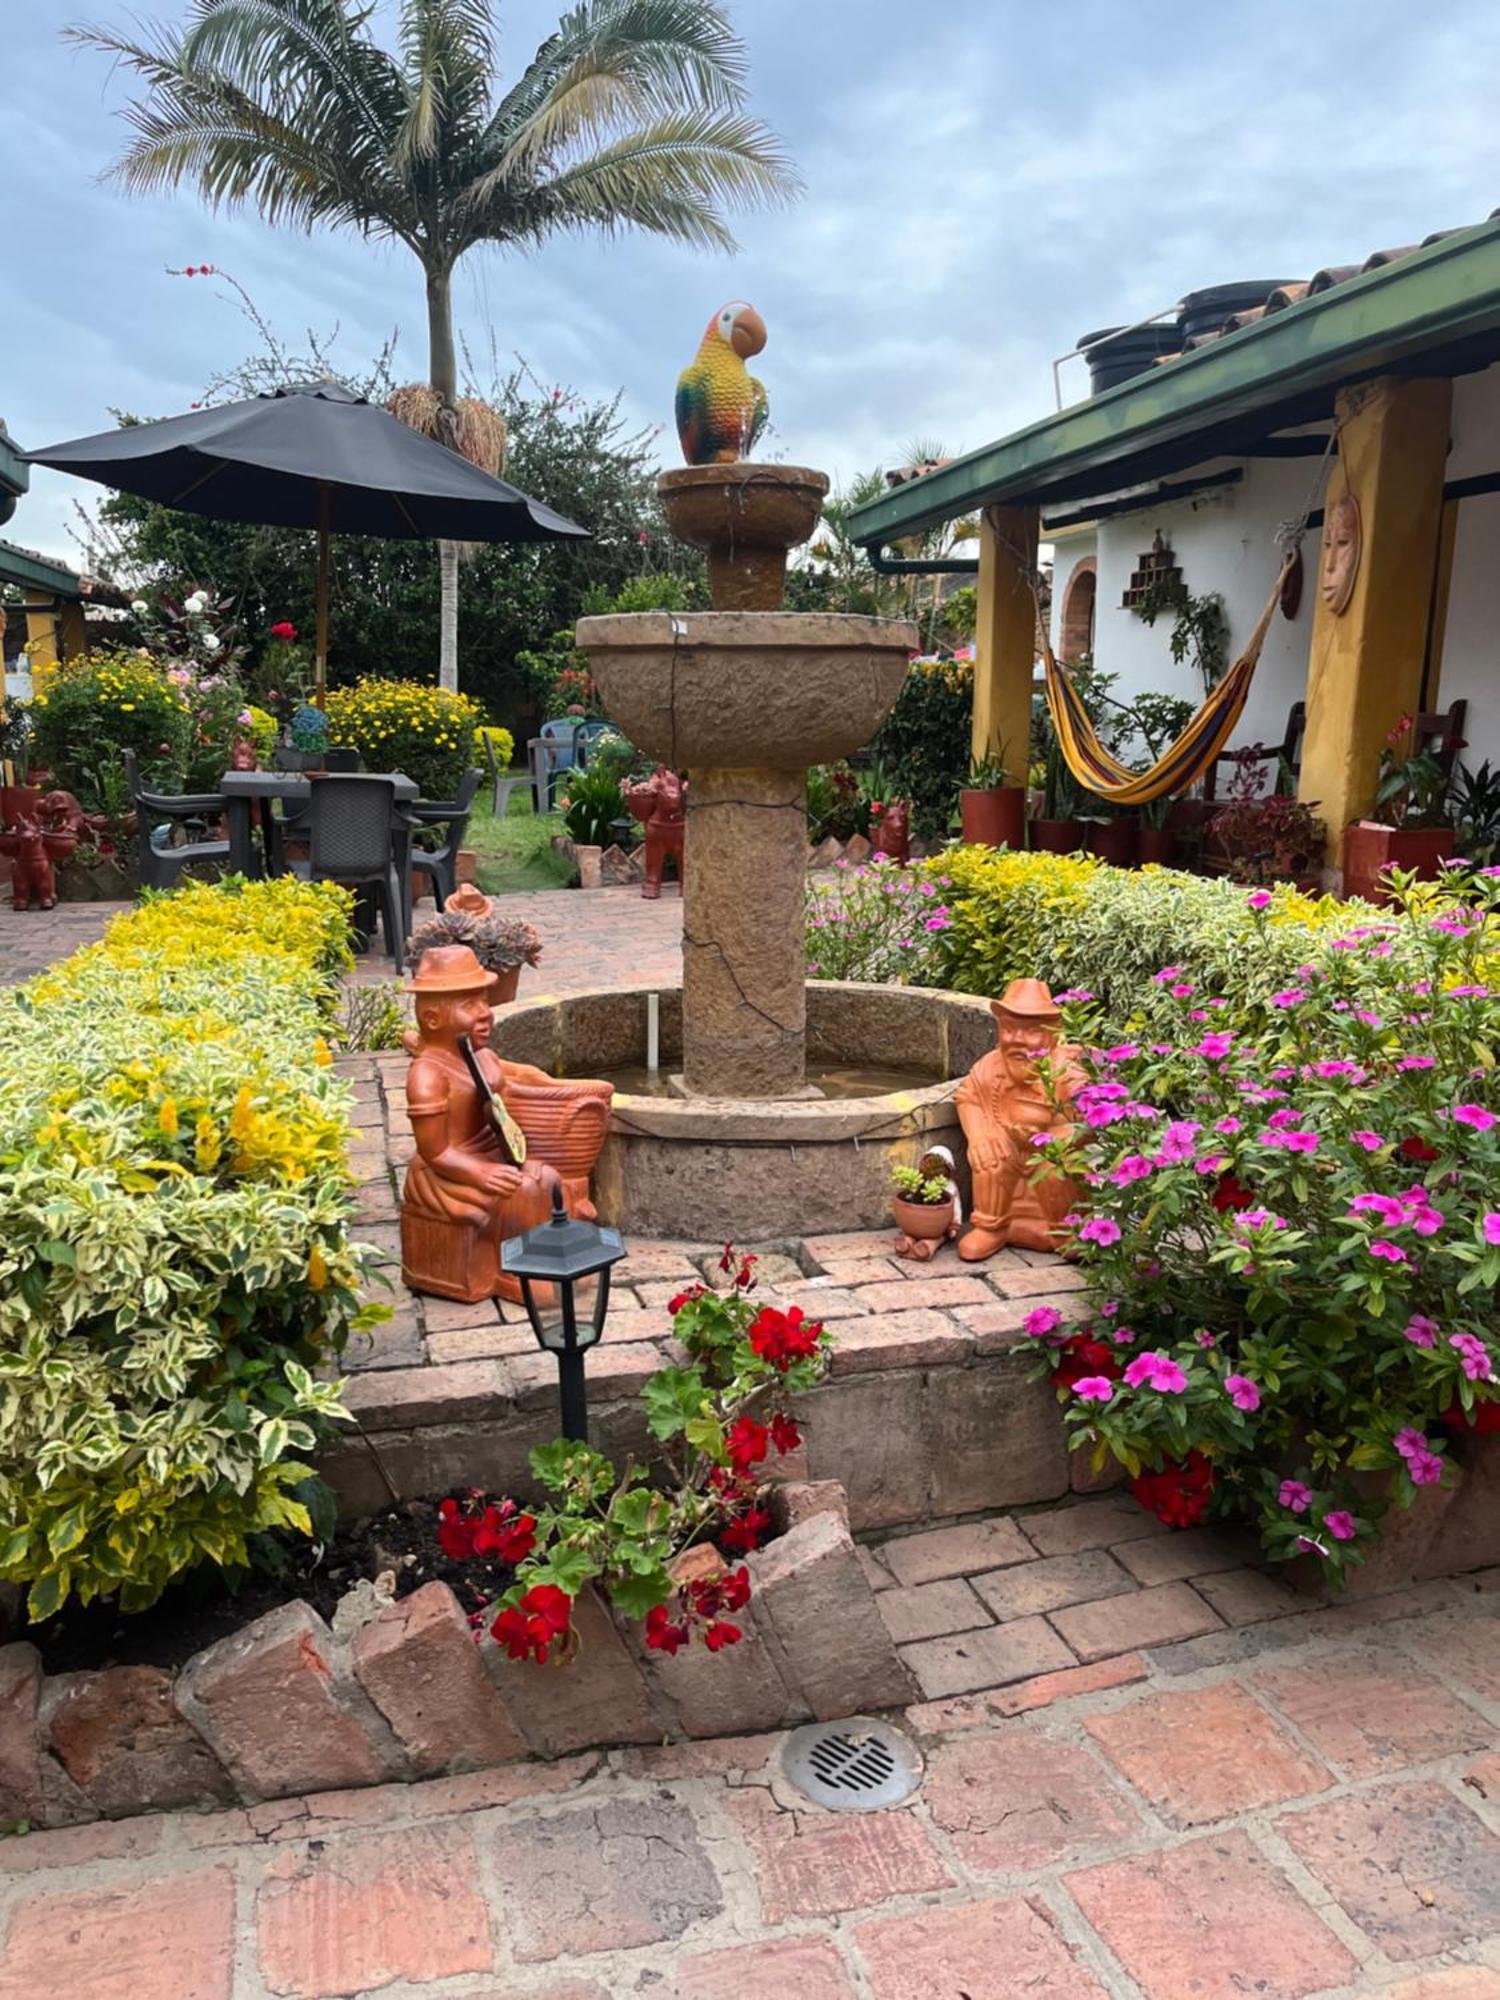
712,1169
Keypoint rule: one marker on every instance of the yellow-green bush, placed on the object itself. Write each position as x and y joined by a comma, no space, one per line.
174,1249
501,742
426,732
1080,924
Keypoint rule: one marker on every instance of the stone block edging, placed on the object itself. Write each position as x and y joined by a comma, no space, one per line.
289,1705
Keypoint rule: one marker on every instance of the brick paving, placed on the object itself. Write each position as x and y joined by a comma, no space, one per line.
1312,1809
1153,1771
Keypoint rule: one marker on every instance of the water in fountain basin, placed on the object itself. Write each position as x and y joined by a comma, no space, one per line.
828,1079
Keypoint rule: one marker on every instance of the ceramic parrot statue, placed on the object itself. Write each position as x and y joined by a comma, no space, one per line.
721,408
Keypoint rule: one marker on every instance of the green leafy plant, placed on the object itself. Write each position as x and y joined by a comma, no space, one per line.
100,703
594,800
922,747
988,773
427,732
1476,806
176,1266
370,1017
837,804
877,921
1413,789
715,1422
1200,629
911,1185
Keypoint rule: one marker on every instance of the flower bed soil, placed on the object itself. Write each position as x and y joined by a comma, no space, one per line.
208,1605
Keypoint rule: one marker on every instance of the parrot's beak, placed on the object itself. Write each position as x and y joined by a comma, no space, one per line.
749,334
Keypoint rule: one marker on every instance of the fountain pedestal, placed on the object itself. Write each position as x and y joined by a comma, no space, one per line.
745,701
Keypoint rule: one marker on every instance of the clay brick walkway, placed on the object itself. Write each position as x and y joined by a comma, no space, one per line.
1311,1807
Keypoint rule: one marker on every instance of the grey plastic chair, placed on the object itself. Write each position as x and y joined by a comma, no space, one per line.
158,814
440,863
352,830
504,784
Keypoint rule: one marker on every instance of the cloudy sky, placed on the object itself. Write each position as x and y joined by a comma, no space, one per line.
985,181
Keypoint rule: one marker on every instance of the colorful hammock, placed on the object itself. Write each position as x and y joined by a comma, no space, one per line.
1188,758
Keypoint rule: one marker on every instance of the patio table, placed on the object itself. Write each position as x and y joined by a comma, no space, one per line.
248,796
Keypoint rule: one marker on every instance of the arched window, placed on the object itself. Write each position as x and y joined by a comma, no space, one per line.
1076,633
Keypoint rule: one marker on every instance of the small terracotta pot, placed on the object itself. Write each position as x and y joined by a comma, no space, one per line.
1370,848
994,818
1158,844
1116,841
503,985
921,1218
1057,836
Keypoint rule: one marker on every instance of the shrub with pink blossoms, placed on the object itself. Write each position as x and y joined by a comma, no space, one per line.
1299,1233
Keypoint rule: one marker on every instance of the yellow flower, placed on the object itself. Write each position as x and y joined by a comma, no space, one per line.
317,1270
207,1147
166,1116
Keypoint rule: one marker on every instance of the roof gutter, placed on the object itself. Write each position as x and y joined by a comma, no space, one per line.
1438,296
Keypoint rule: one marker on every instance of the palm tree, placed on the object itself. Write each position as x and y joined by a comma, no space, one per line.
630,115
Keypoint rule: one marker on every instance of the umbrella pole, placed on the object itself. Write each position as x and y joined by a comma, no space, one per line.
320,669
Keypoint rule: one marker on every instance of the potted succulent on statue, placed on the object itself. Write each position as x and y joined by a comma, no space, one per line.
1413,829
501,944
992,811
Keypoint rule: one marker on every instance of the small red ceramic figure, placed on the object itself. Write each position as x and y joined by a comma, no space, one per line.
33,884
61,815
242,756
891,833
660,804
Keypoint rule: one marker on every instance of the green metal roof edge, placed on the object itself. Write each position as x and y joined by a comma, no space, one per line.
1433,297
15,473
30,571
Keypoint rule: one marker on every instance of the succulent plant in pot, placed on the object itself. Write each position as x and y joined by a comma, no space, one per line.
922,1203
501,944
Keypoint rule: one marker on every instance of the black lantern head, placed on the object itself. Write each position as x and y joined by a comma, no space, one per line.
560,1253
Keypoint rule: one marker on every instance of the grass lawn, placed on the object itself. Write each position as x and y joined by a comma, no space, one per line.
515,853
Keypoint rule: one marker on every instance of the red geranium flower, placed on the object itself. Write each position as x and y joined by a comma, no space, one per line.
1082,1355
783,1338
1417,1149
285,631
1483,1420
745,1534
508,1536
1230,1193
1180,1493
662,1636
784,1434
529,1630
718,1635
747,1443
686,1298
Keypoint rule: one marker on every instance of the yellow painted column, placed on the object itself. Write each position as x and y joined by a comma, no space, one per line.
72,632
1005,638
1364,668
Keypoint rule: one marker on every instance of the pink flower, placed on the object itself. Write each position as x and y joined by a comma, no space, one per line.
1409,1442
1093,1388
1122,1053
1421,1331
1242,1392
1041,1321
1340,1524
1259,899
1308,1547
1157,1371
1167,974
1228,1126
1100,1229
1134,1167
1473,1115
1294,1142
1391,1252
1490,1224
1424,1468
1203,1337
1214,1048
1183,990
1371,1141
1415,1062
1295,1495
1473,1354
1292,996
1177,1142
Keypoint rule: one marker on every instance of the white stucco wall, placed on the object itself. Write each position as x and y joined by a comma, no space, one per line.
1223,541
1471,638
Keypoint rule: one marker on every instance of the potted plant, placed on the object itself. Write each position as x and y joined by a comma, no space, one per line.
1414,828
1258,840
501,944
1476,811
1115,838
1058,829
309,732
922,1204
992,811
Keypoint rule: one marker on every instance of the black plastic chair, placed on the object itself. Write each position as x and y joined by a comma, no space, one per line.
440,863
352,830
193,812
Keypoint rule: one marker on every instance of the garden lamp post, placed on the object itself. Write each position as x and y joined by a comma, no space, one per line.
563,1252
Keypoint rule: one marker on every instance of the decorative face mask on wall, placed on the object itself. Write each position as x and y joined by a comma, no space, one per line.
1342,544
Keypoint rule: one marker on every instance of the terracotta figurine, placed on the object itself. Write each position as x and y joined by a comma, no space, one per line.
468,1187
936,1164
891,833
33,881
1002,1106
660,804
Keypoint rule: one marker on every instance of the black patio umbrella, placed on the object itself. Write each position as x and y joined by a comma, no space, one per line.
312,455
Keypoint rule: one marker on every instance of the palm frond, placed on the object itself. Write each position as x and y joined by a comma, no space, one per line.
448,50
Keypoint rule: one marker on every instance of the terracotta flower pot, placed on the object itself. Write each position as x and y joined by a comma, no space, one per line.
995,818
921,1218
1370,848
503,985
1056,836
1158,844
1116,841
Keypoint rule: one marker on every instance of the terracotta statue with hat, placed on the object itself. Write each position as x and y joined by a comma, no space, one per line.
1003,1106
476,1179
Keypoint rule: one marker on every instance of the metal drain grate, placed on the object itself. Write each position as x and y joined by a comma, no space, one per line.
854,1766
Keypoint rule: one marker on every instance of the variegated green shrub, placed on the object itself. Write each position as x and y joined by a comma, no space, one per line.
175,1260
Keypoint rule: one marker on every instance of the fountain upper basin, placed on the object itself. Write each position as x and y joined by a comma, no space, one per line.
727,690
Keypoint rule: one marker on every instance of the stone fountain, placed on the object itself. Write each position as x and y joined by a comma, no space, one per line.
745,698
